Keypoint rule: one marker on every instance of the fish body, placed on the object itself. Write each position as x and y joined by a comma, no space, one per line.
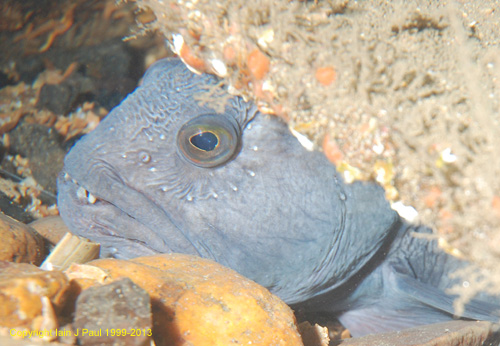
181,166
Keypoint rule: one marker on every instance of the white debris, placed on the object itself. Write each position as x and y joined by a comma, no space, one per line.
178,42
406,212
306,142
447,156
219,67
266,38
378,148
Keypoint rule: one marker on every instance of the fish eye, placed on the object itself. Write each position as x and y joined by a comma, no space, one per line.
208,140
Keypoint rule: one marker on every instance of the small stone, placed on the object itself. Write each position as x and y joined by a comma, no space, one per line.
9,205
114,314
313,335
8,341
48,148
20,243
52,228
30,297
453,333
66,335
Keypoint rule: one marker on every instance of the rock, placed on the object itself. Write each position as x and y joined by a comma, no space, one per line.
106,73
30,298
199,302
7,341
45,158
314,335
20,243
63,98
13,209
52,228
453,333
115,314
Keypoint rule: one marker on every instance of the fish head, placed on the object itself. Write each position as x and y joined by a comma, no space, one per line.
183,166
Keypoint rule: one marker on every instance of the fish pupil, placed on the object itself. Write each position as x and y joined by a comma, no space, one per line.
205,141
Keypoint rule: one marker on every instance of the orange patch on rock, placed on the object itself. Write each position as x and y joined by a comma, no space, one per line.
258,64
229,54
191,60
331,150
432,197
495,203
325,75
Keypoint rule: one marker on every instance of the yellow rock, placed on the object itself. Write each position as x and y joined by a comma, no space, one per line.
30,298
199,302
20,243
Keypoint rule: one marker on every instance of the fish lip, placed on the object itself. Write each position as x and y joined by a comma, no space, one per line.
178,238
86,197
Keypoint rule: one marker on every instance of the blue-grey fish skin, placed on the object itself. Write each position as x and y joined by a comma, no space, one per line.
273,211
406,289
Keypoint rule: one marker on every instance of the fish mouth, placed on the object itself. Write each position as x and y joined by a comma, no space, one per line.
81,193
128,225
